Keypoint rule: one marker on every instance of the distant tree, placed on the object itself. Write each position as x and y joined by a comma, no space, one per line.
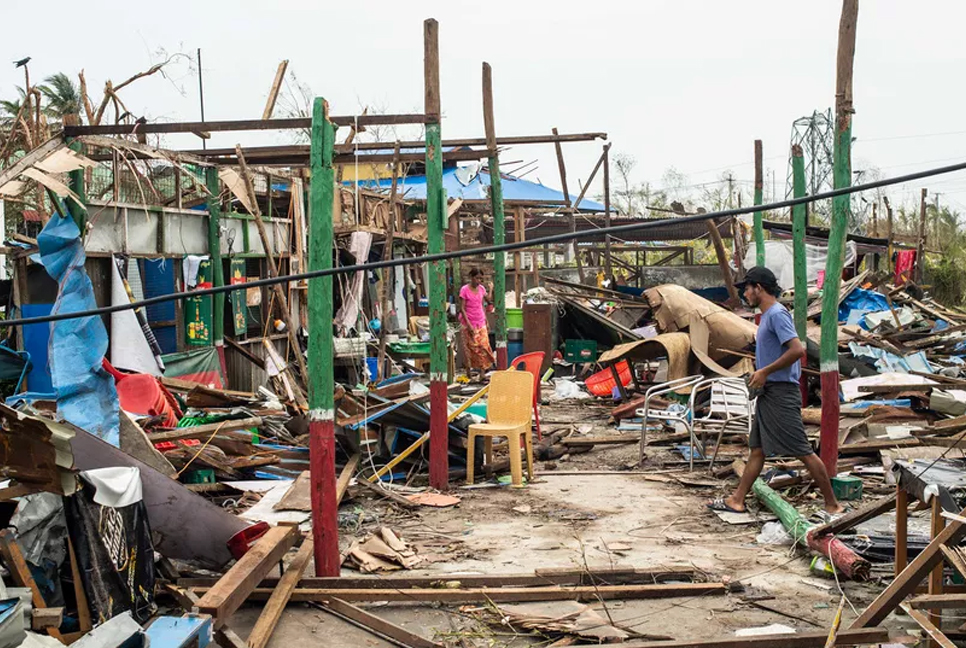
63,99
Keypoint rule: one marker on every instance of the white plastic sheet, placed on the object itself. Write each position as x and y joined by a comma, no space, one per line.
779,258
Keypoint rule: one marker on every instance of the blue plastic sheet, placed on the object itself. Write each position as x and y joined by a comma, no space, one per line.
85,392
866,300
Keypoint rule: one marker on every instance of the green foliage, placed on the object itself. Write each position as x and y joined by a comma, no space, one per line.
63,96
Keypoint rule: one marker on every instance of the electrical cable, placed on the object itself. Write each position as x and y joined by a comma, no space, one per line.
506,247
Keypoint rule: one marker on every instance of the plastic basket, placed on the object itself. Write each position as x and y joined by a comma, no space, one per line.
602,383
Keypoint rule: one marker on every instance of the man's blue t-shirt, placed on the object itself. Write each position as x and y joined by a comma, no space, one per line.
774,332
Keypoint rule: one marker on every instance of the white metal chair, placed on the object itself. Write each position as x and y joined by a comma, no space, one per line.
729,407
663,414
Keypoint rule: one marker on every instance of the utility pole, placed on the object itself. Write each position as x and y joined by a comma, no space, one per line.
759,227
731,193
889,265
799,218
436,218
499,218
921,240
217,269
841,175
325,505
608,269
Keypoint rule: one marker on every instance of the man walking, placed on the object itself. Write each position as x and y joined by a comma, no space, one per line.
777,427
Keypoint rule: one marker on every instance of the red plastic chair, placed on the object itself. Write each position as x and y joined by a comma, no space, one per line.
532,362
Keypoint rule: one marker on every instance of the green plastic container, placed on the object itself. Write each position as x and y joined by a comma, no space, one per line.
478,408
847,488
201,476
514,318
580,351
407,348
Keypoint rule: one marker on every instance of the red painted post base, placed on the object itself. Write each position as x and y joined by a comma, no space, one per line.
438,436
220,348
829,438
501,358
845,559
325,508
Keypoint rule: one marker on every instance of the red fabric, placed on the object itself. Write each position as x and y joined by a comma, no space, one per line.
905,262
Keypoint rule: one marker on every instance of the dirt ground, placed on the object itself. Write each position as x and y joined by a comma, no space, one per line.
592,520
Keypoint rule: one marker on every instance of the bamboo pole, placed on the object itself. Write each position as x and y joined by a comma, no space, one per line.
759,226
325,507
389,274
436,217
218,270
567,204
499,218
842,171
799,216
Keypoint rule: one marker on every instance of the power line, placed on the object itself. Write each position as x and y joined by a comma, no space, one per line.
506,247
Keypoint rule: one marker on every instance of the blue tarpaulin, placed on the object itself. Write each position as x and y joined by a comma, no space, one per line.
85,392
476,187
865,300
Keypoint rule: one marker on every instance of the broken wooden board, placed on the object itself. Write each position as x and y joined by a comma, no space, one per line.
502,594
618,575
602,440
856,517
241,580
934,633
265,626
851,637
136,443
375,624
20,572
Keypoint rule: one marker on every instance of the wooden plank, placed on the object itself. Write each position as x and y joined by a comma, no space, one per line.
911,576
902,530
206,430
498,594
955,558
856,517
602,440
798,640
938,601
46,618
891,389
379,626
382,491
348,471
20,573
235,586
937,522
265,626
877,445
296,123
273,93
936,636
542,577
297,497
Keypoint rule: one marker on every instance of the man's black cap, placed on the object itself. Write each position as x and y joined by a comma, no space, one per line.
758,275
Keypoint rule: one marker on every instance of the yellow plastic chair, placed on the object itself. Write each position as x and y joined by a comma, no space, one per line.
508,411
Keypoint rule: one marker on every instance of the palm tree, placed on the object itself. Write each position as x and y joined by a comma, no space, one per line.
10,108
63,99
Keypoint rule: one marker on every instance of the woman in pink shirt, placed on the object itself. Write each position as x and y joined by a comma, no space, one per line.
476,337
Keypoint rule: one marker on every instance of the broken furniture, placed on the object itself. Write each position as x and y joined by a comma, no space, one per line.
668,414
508,414
729,407
532,362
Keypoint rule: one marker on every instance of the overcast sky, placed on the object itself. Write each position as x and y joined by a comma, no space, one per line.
688,84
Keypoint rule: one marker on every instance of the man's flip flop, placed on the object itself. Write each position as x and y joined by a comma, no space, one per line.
721,505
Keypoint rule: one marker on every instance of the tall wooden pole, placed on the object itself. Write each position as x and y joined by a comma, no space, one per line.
921,239
217,269
325,505
389,274
571,212
759,225
608,270
841,176
499,218
436,217
719,251
800,262
889,265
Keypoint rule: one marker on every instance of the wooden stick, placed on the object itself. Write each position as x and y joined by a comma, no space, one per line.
719,250
375,624
389,274
342,485
856,517
502,594
936,636
265,626
802,640
20,572
83,607
567,207
273,93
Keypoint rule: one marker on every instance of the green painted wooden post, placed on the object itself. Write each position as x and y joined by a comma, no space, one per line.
841,178
218,271
499,219
759,227
78,184
325,506
799,218
436,218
